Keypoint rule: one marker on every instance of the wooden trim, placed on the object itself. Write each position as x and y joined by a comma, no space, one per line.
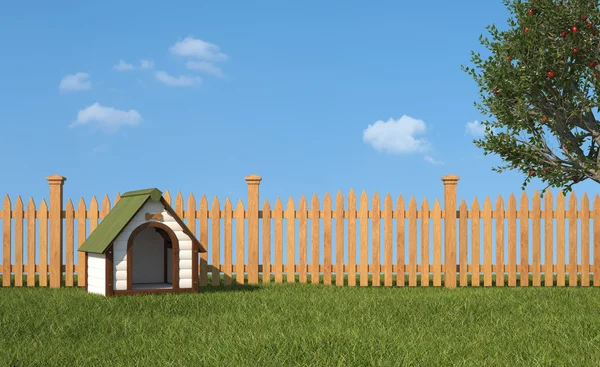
195,268
86,273
165,262
153,291
185,228
174,255
109,290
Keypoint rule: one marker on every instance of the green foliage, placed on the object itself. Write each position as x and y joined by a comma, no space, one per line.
541,80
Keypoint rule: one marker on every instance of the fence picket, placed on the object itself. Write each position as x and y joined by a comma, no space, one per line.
239,242
499,219
266,231
425,243
215,217
6,241
81,236
278,216
376,241
203,215
43,270
18,242
387,239
400,240
487,242
190,215
596,215
572,240
339,239
437,244
512,241
31,243
524,240
227,236
475,242
463,243
363,215
536,254
69,241
560,239
303,254
327,239
290,221
585,241
314,243
351,239
412,242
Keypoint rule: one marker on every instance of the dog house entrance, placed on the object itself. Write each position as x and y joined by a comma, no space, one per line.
151,261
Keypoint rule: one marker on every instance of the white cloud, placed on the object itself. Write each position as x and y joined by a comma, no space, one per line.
206,67
431,160
180,81
198,48
475,128
122,66
146,64
107,118
397,136
74,82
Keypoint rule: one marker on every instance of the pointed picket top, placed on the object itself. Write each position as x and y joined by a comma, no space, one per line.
204,203
69,206
179,203
560,193
327,203
228,206
412,204
31,205
512,201
315,202
6,204
424,209
400,203
278,206
44,206
290,203
351,196
216,207
585,203
79,207
475,205
363,202
339,200
573,201
463,205
524,202
105,206
560,200
167,197
19,204
548,201
499,202
117,198
352,204
94,203
239,209
387,204
267,209
303,203
487,207
376,203
596,205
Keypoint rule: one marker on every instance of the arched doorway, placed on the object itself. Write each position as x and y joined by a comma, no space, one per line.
152,258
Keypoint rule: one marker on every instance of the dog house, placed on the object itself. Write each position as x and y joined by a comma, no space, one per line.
141,246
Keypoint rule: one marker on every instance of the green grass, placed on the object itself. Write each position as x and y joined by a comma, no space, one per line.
303,325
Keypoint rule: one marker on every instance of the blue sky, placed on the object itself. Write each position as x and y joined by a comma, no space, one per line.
312,96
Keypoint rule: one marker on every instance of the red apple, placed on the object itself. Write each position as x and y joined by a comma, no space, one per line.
592,64
526,30
550,74
530,12
508,59
544,118
574,50
574,29
563,34
546,169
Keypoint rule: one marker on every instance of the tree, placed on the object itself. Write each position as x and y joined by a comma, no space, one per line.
542,80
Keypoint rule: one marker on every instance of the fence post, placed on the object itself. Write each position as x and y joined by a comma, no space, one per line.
56,229
253,183
450,182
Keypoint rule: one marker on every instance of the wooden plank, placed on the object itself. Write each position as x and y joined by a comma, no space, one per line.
105,207
363,216
376,241
596,216
6,241
31,243
549,240
167,197
387,240
18,215
239,242
314,234
572,214
339,239
437,244
81,236
512,240
475,238
499,218
400,240
351,239
536,251
302,216
216,241
487,242
412,242
190,215
117,198
93,214
228,245
425,243
43,237
266,245
278,216
524,240
560,239
70,242
463,240
203,215
327,239
179,205
585,241
291,223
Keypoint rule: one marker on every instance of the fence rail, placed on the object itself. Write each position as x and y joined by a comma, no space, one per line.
54,223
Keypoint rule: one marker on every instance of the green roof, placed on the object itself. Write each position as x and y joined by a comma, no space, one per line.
117,219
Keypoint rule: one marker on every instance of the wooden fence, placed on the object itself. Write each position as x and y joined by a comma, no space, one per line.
54,223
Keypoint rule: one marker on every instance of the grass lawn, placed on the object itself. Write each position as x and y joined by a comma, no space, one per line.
303,325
